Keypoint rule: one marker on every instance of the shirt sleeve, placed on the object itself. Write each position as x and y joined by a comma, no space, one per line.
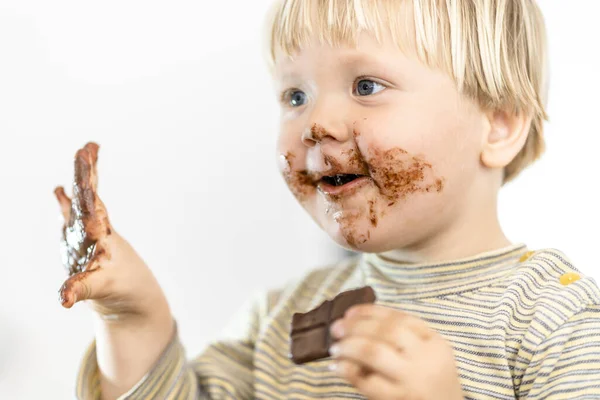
223,371
566,364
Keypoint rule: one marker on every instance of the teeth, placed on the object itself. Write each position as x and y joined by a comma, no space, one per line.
338,180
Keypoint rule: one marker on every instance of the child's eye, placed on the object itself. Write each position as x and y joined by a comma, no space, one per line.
367,87
294,98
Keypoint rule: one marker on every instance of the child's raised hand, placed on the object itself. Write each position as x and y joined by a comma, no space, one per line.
102,266
388,354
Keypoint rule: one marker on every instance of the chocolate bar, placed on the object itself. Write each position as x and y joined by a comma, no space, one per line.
310,331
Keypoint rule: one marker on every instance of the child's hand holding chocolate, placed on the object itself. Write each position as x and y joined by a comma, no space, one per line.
389,354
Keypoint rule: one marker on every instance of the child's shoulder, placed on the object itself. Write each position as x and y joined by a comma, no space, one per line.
547,278
548,302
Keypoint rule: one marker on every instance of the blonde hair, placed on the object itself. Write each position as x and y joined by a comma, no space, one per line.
494,50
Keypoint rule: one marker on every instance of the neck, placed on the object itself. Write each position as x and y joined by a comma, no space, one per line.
476,229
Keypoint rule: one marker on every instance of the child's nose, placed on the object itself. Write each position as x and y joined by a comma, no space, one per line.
326,125
316,133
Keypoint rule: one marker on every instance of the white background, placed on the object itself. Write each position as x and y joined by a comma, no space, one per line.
178,97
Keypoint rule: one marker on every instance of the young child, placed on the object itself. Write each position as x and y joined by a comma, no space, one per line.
400,122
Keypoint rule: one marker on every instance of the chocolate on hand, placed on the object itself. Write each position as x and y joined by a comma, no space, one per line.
86,220
310,331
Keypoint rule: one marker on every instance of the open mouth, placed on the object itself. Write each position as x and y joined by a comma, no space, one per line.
340,179
342,184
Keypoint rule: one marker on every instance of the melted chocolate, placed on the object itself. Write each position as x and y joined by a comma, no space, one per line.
356,161
353,237
300,183
317,132
79,244
396,173
372,214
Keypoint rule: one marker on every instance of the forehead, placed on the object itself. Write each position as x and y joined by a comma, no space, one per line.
368,52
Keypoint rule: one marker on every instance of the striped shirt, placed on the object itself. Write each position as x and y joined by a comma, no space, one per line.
516,331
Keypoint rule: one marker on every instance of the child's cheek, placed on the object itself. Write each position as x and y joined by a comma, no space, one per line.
396,172
300,182
397,176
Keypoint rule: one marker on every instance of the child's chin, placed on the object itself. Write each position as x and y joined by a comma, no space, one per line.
369,246
359,242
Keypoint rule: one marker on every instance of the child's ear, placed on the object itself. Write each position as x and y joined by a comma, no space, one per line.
506,136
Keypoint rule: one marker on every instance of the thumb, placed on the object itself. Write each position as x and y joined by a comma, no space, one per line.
85,285
65,203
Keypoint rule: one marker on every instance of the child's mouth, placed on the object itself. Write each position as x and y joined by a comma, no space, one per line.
340,179
341,184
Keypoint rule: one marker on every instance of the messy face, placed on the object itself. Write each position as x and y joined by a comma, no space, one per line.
381,150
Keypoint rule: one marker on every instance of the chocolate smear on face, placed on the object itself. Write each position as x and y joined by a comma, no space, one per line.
300,183
354,238
395,172
372,214
398,174
350,232
332,163
439,185
356,161
317,132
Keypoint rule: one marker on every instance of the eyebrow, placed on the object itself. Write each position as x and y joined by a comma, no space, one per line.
289,76
354,58
360,59
354,63
359,64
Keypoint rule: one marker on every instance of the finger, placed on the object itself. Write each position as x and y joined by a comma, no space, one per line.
387,316
86,177
92,149
83,190
94,214
97,225
349,367
371,311
371,385
399,333
75,289
92,283
64,202
373,355
99,208
101,227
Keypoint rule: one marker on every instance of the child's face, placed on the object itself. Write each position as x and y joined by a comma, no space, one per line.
404,144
